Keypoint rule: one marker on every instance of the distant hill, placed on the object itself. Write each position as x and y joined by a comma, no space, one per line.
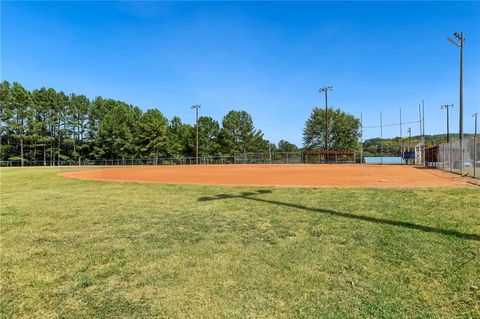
429,139
391,146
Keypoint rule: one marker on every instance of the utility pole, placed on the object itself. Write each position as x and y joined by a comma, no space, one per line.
420,117
326,89
407,161
475,115
361,138
401,137
381,139
423,120
421,109
447,107
458,40
196,107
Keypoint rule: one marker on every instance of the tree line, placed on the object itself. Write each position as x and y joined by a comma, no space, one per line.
50,126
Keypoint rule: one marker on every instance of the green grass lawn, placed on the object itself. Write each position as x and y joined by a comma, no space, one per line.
82,249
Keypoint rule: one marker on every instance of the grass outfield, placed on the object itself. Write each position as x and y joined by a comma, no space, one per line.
82,249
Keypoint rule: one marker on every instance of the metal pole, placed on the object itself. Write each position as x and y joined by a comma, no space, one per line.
475,147
381,139
451,156
401,137
423,133
458,41
420,117
410,139
448,125
443,159
423,119
361,138
196,107
461,102
326,120
326,89
421,129
196,121
447,107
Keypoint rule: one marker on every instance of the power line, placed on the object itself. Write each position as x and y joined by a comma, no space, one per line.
394,124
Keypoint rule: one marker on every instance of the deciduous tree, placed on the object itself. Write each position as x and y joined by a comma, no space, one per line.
343,130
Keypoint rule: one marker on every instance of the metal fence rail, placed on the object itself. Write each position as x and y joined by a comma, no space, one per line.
127,161
249,158
450,157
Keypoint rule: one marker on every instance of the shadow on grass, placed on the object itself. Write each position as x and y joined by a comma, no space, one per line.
376,220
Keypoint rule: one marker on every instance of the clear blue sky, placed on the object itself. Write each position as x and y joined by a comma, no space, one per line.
268,58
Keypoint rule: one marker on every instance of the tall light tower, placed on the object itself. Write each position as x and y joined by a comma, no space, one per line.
196,107
326,89
475,115
447,107
458,40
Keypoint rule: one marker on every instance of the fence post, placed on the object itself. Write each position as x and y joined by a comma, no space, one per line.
475,154
451,156
443,156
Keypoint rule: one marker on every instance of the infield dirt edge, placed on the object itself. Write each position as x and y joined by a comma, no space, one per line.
277,175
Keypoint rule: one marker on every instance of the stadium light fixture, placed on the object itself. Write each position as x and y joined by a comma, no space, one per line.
196,107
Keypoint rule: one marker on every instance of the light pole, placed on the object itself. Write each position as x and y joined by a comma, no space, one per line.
447,107
407,161
326,89
458,40
196,107
475,115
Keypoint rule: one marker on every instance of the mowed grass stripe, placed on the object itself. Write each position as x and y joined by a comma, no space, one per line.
80,249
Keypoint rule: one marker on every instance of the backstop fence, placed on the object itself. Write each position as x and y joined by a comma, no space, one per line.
448,157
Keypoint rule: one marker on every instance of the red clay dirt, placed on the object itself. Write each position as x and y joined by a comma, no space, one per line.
306,175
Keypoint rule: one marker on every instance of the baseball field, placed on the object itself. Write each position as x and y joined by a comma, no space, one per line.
378,244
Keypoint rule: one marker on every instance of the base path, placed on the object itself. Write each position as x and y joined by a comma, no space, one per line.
307,175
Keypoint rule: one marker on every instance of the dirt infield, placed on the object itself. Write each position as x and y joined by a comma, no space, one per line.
278,175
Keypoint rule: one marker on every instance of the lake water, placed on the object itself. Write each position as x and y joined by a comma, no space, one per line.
386,160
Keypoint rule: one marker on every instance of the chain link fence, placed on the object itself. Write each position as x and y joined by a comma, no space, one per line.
249,158
450,157
126,161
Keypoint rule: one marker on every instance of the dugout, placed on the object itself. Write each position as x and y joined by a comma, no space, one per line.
431,155
328,157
